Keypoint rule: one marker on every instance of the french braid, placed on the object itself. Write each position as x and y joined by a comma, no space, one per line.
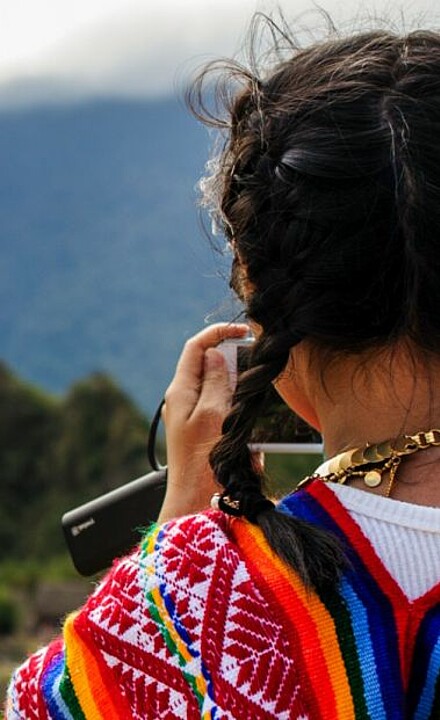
328,187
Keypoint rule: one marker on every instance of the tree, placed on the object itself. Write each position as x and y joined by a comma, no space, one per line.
28,431
57,453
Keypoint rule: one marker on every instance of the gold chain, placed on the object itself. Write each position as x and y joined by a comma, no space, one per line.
371,461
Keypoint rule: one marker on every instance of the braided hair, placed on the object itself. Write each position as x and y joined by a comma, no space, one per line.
328,187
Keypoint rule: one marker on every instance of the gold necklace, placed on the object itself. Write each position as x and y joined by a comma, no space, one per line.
371,461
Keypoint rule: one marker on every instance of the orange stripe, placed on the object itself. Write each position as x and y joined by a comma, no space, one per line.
311,620
86,676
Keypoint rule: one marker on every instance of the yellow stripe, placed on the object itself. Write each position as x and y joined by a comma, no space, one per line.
181,647
151,540
317,611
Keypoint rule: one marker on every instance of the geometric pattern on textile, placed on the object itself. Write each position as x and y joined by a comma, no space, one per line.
24,700
182,632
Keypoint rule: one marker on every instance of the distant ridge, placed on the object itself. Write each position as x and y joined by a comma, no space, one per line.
103,263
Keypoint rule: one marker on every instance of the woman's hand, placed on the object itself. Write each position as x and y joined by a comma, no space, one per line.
196,404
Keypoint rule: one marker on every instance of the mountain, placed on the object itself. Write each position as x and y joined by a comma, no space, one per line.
104,264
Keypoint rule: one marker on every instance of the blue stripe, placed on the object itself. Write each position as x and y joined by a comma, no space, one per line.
427,698
50,682
181,630
382,626
361,632
427,637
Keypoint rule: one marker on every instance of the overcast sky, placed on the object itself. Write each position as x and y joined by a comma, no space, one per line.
133,48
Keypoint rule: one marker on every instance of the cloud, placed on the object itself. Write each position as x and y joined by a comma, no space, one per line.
132,53
142,51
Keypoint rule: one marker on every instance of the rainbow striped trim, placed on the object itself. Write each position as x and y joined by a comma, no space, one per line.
397,640
52,682
87,687
309,620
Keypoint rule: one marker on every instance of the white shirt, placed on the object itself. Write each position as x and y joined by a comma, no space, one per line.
406,537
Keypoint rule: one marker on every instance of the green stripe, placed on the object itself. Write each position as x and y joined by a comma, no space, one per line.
337,608
147,533
67,692
172,647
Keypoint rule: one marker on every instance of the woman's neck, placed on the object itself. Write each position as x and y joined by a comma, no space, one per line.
366,403
370,400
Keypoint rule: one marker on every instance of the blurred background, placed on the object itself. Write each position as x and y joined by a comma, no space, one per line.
105,270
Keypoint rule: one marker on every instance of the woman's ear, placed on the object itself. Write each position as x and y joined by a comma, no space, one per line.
295,385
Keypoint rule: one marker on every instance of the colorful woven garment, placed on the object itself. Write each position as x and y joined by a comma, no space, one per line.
203,621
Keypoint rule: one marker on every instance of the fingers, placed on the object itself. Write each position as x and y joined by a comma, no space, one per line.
196,403
184,391
189,371
190,365
215,394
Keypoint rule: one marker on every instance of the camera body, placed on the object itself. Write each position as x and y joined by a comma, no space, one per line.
278,429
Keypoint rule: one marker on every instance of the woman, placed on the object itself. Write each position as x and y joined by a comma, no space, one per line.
328,605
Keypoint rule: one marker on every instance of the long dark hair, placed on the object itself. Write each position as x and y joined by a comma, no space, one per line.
328,187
